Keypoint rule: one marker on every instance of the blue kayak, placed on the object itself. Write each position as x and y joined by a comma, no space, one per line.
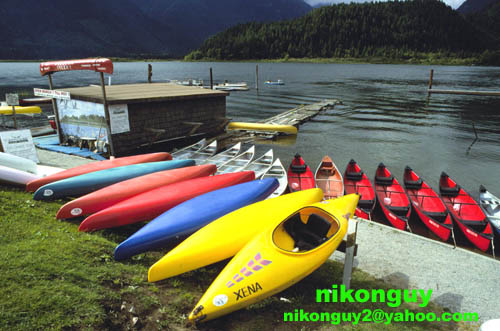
194,214
93,181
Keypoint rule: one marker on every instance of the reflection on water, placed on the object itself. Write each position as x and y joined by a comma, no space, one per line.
385,117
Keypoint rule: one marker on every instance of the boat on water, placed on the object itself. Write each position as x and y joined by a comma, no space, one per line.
242,86
262,164
429,207
392,197
277,171
193,214
223,238
186,152
356,181
32,186
329,179
275,82
300,176
238,163
466,212
266,127
224,156
491,206
278,257
150,204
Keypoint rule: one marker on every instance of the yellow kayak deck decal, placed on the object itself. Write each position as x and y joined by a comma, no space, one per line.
256,265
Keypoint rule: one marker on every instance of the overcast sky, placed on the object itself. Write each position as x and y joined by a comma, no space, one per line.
452,3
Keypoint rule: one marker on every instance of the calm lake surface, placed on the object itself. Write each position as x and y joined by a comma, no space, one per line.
386,115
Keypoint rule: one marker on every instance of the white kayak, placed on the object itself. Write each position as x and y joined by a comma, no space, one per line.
17,162
491,206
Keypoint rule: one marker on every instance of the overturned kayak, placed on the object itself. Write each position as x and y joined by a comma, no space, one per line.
329,179
356,181
97,166
429,207
491,206
392,198
17,162
150,204
278,257
267,127
15,177
90,182
113,194
470,218
193,214
223,238
300,176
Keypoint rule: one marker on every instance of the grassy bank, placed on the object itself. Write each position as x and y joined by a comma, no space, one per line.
55,277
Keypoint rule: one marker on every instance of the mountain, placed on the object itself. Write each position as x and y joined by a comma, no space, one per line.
388,29
487,20
474,6
57,29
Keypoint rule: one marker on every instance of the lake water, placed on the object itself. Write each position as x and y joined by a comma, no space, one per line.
386,115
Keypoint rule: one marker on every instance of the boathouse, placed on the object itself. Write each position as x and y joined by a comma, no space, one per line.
139,115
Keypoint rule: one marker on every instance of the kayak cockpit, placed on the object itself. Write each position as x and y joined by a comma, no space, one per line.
305,230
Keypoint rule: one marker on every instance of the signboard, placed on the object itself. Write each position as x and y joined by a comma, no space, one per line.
12,99
98,65
19,143
82,119
52,94
118,116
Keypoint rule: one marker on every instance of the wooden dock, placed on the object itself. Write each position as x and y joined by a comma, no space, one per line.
295,117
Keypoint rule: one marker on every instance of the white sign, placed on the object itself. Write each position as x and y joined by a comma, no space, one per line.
118,116
19,143
12,99
51,93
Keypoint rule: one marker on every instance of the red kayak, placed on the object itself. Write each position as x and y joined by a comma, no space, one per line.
300,176
356,181
429,207
110,195
392,198
466,212
150,204
96,166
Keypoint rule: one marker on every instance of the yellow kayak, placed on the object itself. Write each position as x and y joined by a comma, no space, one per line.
224,237
262,127
7,110
278,257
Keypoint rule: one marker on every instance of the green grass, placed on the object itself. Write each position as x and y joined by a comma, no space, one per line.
54,277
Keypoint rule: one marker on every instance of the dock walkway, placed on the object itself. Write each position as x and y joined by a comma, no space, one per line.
460,280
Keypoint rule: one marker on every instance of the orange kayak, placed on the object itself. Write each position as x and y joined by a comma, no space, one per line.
329,179
34,185
111,195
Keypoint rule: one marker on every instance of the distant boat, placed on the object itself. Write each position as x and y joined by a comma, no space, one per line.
242,86
277,82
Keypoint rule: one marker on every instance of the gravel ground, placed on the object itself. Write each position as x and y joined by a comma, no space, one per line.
461,280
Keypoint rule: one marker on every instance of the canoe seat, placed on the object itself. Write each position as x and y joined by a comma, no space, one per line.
310,235
436,214
366,203
299,169
413,184
381,180
449,191
354,175
327,166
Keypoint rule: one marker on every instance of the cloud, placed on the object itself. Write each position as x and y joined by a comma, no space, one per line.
452,3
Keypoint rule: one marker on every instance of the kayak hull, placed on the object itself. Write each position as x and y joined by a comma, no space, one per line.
223,238
191,215
290,129
15,177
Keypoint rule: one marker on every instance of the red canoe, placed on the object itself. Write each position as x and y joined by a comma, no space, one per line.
300,176
356,181
466,212
392,198
96,166
150,204
110,195
429,207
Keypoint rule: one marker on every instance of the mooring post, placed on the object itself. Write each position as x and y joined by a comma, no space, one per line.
150,72
431,76
211,79
257,76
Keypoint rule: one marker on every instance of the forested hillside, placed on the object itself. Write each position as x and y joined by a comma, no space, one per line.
395,29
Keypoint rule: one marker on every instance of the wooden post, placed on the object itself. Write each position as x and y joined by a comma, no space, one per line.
430,80
56,111
150,72
211,79
257,76
352,230
14,116
106,113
